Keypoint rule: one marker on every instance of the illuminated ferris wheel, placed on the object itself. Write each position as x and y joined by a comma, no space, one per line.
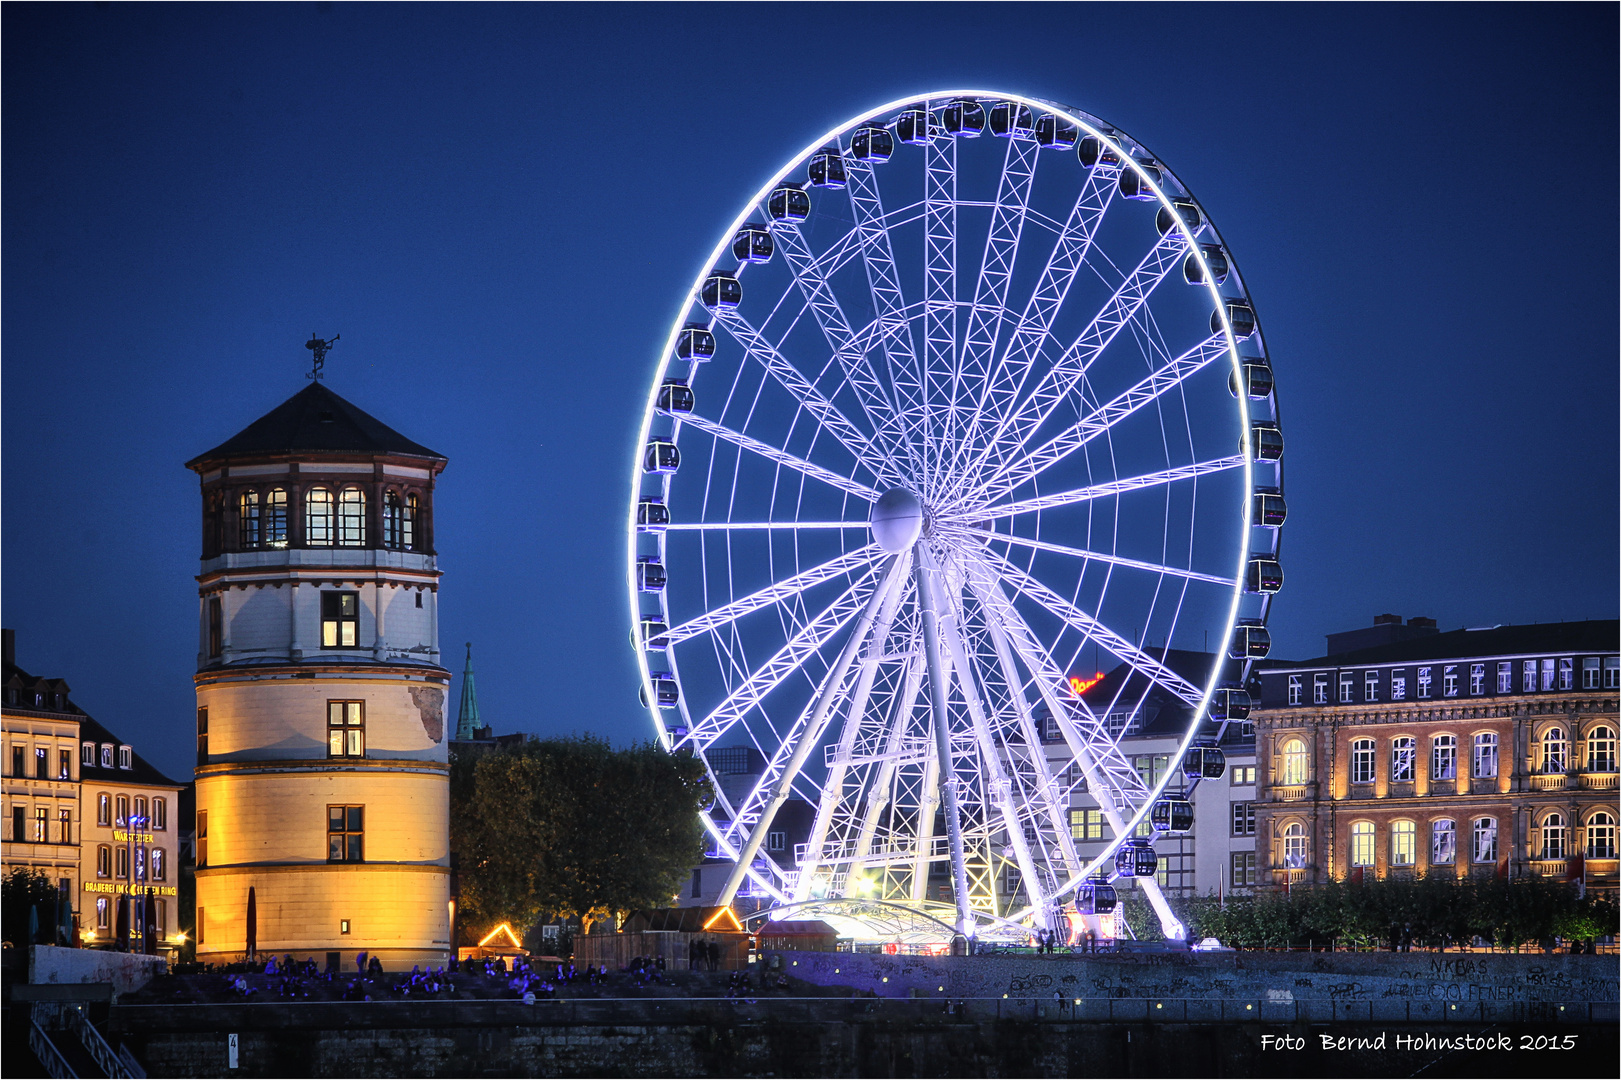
969,401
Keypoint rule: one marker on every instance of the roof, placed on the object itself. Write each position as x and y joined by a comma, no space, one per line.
692,920
1590,636
142,772
798,928
315,419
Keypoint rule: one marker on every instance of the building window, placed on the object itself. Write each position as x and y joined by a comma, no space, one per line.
159,869
106,755
126,757
1547,675
64,764
18,757
1477,678
87,754
1362,843
1086,824
121,811
1553,837
1444,758
1370,686
1362,761
1243,869
1423,682
121,863
345,833
1296,848
352,518
140,864
1449,681
340,620
399,521
1529,683
1555,747
42,763
64,821
1294,689
1319,689
160,814
1294,762
1601,749
1347,682
40,819
216,627
1443,842
160,920
19,823
1402,752
1590,673
274,529
142,819
1152,767
200,925
104,810
104,861
202,736
104,913
1567,674
776,841
1398,686
202,849
1505,677
1485,762
1243,819
249,531
1601,835
1612,672
1403,843
1243,775
318,517
345,729
1485,840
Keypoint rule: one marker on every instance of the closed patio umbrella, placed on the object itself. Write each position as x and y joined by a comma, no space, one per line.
253,923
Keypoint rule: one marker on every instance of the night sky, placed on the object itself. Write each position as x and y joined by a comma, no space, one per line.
499,208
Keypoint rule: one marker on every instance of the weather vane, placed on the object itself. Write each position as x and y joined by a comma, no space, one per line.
319,348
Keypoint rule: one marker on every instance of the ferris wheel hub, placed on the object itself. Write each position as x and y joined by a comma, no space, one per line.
897,520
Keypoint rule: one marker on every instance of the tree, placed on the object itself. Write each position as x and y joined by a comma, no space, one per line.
573,827
26,891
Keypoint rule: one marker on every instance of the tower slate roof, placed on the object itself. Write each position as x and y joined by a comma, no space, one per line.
467,721
316,419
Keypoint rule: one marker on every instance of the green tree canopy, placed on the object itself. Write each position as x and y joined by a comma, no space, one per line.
573,827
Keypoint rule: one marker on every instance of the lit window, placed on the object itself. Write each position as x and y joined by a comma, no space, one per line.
202,850
160,814
318,517
103,913
1485,762
1403,843
121,811
1477,678
1547,675
1601,836
250,533
399,521
104,861
64,821
1590,673
1505,677
1296,847
352,518
1423,682
1612,672
1601,750
1319,689
126,758
1529,682
1449,681
1402,752
345,729
106,755
141,819
121,863
1362,751
1243,869
340,620
345,833
1347,684
1243,819
1553,837
41,815
1444,758
1086,824
1443,842
1152,767
1485,840
275,519
1294,689
1294,762
1554,750
87,754
160,869
1370,686
1398,686
1362,843
1567,674
64,764
104,809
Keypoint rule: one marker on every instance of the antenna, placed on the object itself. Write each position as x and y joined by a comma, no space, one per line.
319,348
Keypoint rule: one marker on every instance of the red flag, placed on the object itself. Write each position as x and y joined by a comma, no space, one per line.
1356,875
1502,868
1576,871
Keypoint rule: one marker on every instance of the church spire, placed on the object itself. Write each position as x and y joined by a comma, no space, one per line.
467,717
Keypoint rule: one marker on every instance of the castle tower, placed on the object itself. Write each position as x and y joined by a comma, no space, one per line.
467,723
322,783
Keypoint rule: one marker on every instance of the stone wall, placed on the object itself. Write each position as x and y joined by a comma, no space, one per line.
126,972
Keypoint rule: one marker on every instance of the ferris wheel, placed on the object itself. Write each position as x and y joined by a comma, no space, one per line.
967,408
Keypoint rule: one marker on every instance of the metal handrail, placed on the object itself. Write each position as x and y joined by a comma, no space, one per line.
91,1039
56,1066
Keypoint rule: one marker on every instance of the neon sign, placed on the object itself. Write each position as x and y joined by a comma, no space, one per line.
1079,686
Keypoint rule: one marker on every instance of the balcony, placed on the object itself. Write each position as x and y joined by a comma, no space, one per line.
1550,867
1600,781
1293,792
1548,781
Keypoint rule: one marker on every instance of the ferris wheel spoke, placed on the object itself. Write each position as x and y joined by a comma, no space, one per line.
779,526
1103,491
1115,560
787,589
1020,471
781,457
1057,382
939,289
1093,630
813,401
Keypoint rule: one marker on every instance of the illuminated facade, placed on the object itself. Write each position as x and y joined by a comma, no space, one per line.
1473,752
322,777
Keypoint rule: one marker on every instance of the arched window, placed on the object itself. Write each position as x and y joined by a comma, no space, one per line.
1294,762
1296,847
1601,835
1485,840
1485,762
1601,749
275,518
214,525
1553,836
1555,750
393,521
104,861
1403,843
352,518
121,811
1362,843
1443,842
1362,766
318,517
121,862
141,820
249,534
1402,752
104,809
160,814
1444,758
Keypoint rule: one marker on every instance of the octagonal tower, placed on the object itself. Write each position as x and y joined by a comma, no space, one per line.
322,782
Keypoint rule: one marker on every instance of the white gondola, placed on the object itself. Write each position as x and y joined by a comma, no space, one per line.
753,244
912,127
1171,814
1094,151
788,202
826,168
1096,898
1240,314
1010,119
654,633
1136,858
666,690
1193,273
651,515
1266,441
1187,212
1263,575
1056,132
1250,641
695,343
963,118
1138,183
872,143
675,396
1257,377
1204,761
661,456
1230,703
650,574
1269,509
721,292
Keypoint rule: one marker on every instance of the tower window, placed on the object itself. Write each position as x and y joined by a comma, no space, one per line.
318,517
275,518
340,620
352,518
249,526
202,850
345,833
216,627
345,729
399,521
202,736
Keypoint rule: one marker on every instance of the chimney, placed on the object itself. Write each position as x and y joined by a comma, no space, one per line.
1387,620
8,638
1421,623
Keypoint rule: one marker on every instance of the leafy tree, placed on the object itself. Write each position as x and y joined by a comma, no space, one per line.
573,827
26,890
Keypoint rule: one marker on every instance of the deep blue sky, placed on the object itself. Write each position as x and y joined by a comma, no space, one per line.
500,207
